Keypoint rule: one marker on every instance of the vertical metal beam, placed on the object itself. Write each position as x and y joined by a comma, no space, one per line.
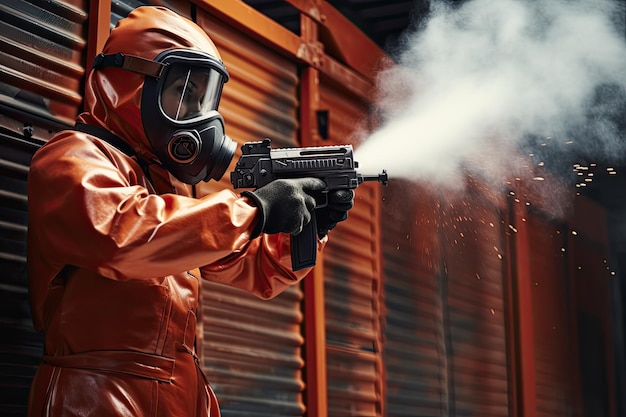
309,104
522,317
98,26
378,298
310,88
510,310
315,342
572,306
314,303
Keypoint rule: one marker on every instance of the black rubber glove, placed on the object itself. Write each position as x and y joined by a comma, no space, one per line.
339,202
285,204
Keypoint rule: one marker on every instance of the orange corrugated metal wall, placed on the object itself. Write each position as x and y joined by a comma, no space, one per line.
466,334
459,318
445,278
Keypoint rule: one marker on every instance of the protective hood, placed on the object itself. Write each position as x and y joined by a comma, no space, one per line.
113,95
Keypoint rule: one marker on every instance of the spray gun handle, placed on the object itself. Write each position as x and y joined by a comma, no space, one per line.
304,246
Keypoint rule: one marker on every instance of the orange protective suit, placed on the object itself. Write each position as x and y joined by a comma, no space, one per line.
115,261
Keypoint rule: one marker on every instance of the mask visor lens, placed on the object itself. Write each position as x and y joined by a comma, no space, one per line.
190,93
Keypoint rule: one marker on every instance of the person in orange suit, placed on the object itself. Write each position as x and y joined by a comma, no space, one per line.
118,240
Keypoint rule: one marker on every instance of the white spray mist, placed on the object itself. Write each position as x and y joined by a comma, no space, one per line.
476,80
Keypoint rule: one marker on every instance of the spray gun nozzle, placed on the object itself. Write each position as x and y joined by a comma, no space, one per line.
382,177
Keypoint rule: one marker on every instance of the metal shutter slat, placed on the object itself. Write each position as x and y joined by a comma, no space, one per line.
22,346
41,58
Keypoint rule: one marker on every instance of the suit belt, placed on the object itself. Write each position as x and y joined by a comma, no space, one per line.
128,362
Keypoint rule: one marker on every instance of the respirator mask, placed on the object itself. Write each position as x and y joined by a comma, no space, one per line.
181,93
180,118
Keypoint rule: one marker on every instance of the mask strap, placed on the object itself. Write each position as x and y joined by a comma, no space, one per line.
117,142
129,63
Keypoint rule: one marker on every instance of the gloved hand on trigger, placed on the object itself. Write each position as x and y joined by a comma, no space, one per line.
285,204
339,202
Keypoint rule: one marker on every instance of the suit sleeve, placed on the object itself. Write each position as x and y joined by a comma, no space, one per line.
88,209
264,269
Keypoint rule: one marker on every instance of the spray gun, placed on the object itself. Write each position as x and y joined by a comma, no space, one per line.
335,165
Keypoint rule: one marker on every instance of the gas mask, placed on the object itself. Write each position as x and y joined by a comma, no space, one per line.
180,118
179,102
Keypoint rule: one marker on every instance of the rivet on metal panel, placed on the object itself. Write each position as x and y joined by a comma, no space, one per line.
312,52
314,13
28,131
301,51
